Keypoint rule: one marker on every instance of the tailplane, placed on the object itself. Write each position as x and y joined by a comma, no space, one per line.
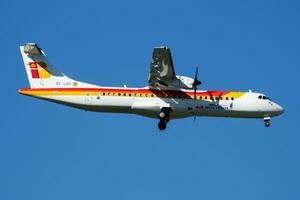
41,74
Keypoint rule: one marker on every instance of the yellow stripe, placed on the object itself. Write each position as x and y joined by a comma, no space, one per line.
234,95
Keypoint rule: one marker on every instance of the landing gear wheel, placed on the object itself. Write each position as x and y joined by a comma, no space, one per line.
267,121
162,115
164,118
162,125
267,124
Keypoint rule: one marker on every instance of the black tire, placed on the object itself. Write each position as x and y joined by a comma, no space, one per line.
162,125
267,124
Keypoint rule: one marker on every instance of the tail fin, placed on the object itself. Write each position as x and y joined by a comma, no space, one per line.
40,73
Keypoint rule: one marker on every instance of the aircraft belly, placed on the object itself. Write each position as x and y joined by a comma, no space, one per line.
181,107
226,109
232,113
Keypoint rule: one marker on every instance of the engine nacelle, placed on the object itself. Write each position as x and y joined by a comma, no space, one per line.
185,82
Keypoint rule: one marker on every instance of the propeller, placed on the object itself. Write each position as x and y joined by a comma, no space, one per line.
195,84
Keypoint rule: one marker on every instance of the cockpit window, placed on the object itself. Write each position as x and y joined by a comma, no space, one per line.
264,97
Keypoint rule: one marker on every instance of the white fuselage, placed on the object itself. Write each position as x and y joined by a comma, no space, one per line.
149,103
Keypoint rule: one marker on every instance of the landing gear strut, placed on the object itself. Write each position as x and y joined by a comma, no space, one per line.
164,118
267,121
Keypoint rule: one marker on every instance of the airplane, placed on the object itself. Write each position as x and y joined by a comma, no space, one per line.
168,96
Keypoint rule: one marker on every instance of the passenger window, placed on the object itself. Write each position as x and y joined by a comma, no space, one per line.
232,98
103,93
119,94
124,94
227,98
152,95
260,97
205,97
129,94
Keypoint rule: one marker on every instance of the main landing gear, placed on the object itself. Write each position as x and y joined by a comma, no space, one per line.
267,121
164,118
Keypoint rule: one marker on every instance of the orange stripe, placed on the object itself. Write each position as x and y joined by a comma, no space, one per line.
97,91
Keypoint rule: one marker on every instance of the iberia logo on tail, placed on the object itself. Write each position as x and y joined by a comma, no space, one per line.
38,70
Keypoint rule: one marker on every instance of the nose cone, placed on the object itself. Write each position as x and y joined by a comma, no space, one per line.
278,110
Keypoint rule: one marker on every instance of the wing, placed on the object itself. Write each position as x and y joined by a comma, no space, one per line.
161,68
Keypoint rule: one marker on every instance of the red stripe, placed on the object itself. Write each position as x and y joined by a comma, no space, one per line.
144,91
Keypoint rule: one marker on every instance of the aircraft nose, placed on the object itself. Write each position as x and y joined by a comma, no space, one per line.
279,110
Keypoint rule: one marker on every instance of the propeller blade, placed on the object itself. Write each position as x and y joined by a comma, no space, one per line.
196,82
196,74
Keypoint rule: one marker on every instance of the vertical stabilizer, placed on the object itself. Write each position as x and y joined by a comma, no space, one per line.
41,74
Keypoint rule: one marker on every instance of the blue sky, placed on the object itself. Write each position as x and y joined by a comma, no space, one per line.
48,151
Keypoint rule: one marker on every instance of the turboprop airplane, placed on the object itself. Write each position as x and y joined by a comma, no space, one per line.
168,96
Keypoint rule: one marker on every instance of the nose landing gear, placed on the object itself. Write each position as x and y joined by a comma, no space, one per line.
267,121
164,118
